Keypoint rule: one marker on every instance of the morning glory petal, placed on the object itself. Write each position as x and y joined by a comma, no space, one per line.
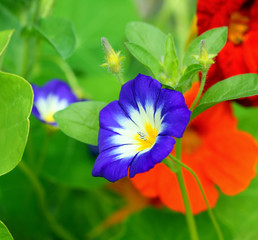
137,130
147,160
54,96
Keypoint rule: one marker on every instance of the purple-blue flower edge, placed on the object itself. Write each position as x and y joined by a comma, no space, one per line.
137,131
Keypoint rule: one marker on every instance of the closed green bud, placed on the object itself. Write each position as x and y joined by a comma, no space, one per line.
113,59
205,59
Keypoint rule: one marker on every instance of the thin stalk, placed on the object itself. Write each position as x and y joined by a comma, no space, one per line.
43,152
188,212
57,229
204,74
31,43
25,58
71,78
212,217
120,78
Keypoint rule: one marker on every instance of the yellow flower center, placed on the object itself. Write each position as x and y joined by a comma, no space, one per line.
50,118
238,27
146,139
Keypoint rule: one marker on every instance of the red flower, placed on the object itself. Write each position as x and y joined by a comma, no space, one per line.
216,150
240,54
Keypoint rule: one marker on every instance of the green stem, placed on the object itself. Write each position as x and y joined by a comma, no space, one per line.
71,78
188,212
39,190
35,15
25,58
120,78
31,43
212,217
204,74
43,152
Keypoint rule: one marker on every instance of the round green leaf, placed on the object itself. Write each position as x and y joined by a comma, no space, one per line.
81,121
60,34
16,98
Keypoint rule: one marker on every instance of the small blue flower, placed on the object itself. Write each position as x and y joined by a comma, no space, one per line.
54,96
137,130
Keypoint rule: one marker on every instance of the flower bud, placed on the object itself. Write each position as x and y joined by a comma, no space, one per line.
205,59
113,60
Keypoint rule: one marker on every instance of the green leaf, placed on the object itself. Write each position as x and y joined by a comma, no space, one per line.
147,45
239,86
16,99
59,33
148,37
4,233
143,56
5,37
215,40
81,121
189,74
170,59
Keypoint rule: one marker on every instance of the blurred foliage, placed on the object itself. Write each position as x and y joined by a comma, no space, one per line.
60,166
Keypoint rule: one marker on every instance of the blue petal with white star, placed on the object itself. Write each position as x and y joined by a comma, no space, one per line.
137,131
54,96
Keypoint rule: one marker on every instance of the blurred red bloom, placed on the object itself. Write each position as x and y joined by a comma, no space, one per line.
240,54
216,150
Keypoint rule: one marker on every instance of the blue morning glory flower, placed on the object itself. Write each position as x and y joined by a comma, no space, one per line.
54,96
137,130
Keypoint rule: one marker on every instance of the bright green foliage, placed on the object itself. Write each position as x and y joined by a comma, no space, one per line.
154,50
81,121
170,64
59,33
16,99
215,40
4,40
145,57
4,233
46,7
188,75
147,44
232,88
148,37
